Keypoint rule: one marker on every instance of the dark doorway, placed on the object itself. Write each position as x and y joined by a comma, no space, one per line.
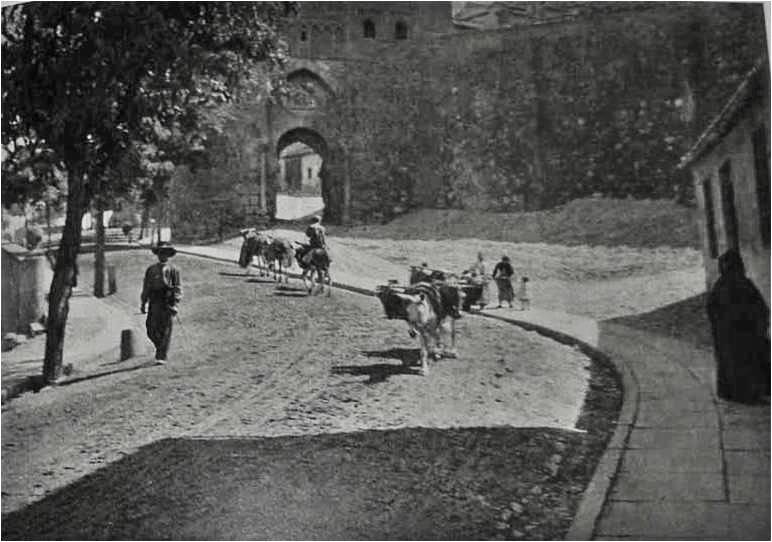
727,205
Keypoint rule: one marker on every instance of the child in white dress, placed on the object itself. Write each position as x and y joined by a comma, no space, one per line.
522,295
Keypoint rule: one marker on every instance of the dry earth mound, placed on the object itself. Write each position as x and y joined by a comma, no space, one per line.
590,221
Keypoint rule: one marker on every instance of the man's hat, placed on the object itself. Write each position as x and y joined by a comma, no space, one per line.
164,247
316,218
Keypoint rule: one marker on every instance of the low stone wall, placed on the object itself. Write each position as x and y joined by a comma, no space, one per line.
26,280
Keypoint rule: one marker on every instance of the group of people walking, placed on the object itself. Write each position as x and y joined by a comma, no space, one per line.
503,274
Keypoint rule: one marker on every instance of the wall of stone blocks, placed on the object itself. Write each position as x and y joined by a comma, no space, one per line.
462,110
519,118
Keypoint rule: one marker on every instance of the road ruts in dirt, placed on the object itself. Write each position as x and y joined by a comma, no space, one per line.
58,435
509,380
252,359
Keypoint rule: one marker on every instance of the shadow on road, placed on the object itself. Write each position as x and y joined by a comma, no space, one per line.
408,356
291,293
249,278
686,320
91,376
227,274
411,483
378,372
288,288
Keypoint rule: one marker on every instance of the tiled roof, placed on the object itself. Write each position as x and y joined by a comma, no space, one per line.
748,91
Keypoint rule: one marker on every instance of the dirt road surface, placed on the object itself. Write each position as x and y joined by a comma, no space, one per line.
286,416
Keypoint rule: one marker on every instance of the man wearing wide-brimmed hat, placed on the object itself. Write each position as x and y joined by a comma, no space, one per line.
162,289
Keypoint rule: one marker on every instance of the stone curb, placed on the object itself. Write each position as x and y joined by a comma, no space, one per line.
291,274
594,497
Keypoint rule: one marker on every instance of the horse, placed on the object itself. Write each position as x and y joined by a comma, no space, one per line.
319,263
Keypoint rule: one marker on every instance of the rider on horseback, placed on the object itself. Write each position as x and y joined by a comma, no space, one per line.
316,238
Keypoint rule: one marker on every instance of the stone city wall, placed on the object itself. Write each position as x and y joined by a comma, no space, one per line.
518,118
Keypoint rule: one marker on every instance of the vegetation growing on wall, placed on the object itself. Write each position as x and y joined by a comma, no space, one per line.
528,118
531,120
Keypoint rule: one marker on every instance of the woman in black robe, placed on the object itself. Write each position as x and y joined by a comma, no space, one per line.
502,273
739,318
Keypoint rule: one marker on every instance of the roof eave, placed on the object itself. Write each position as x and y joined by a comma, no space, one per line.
726,119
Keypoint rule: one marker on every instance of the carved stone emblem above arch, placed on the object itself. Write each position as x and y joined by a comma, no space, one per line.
306,91
320,69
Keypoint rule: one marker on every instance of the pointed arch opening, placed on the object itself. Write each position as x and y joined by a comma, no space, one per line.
302,154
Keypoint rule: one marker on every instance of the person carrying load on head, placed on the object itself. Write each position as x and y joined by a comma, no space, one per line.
317,238
480,278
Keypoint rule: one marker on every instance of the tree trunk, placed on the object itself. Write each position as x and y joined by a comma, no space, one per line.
144,219
99,254
65,278
158,229
48,222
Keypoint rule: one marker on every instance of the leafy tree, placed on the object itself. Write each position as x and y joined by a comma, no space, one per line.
32,177
90,79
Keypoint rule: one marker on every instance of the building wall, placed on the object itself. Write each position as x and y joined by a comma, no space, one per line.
737,148
26,280
311,164
530,116
300,171
523,117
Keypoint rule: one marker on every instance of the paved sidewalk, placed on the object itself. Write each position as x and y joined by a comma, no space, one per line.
688,465
682,463
91,347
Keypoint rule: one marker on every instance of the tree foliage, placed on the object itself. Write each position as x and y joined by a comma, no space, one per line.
101,83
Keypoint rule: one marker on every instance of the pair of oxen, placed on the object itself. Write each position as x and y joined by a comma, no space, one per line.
431,310
276,254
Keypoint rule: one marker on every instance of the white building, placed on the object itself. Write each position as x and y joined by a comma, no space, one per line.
730,166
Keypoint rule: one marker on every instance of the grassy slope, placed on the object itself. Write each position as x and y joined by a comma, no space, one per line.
608,222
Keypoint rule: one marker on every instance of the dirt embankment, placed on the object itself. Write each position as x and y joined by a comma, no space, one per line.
590,221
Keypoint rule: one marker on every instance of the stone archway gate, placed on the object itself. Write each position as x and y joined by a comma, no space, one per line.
297,118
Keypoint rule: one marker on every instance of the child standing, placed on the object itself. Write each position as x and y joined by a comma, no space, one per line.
522,295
